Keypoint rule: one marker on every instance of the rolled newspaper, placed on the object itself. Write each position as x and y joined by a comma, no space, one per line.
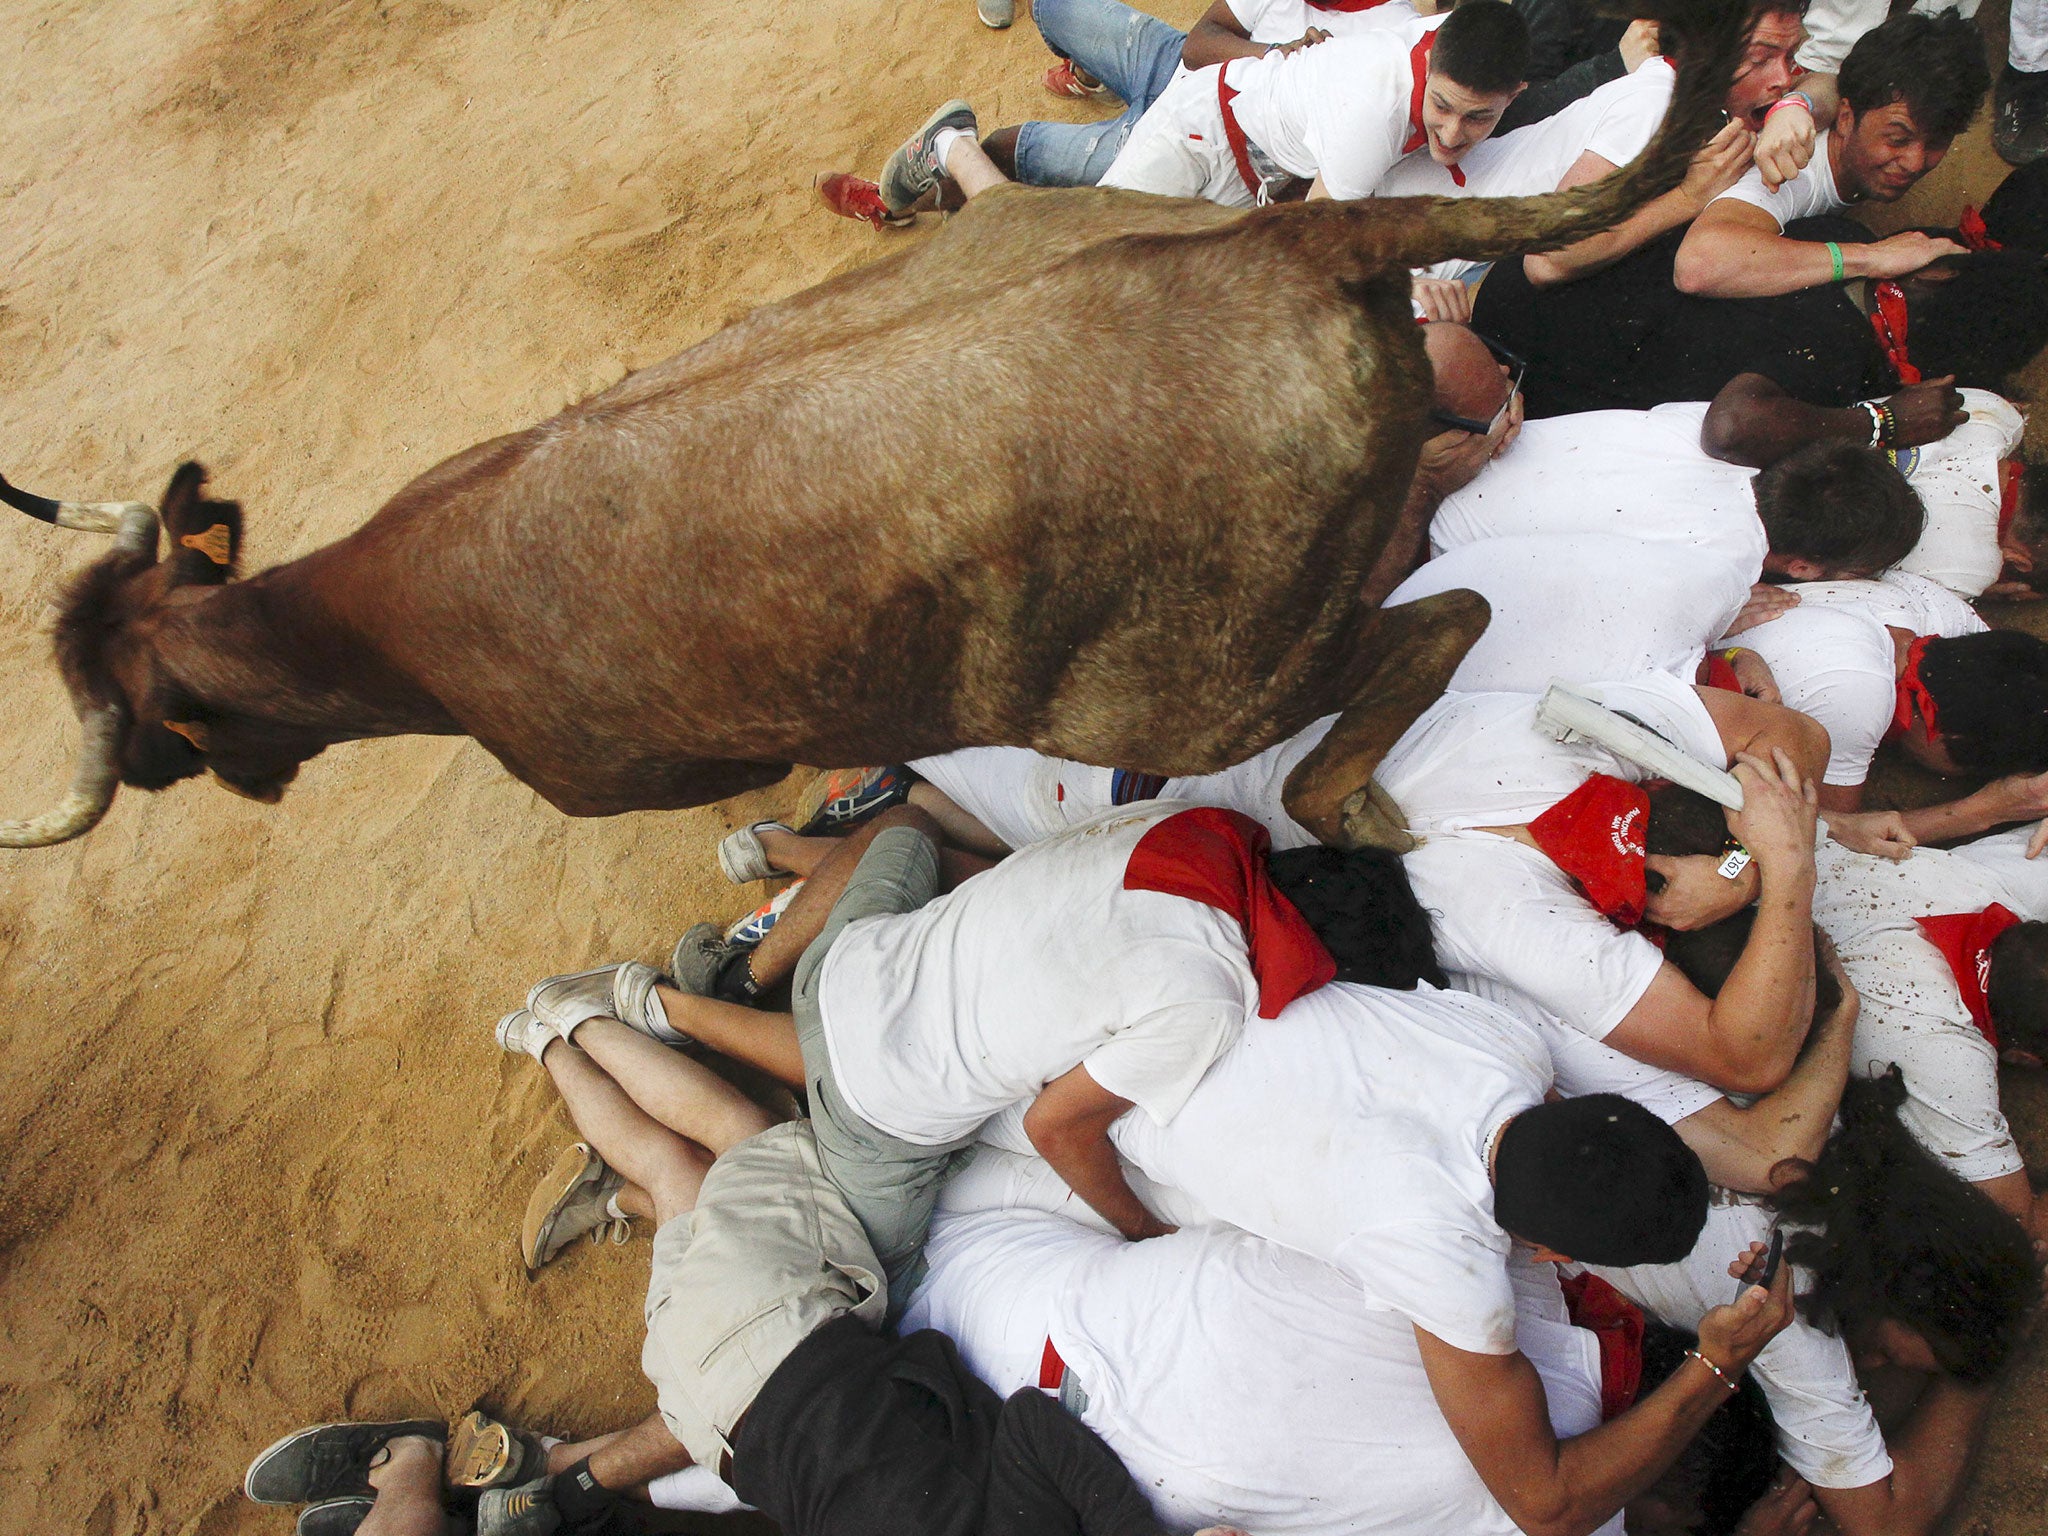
1567,714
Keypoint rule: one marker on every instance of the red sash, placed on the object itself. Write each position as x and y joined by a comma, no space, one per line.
1349,7
1912,693
1888,320
1617,1323
1218,857
2010,472
1965,940
1595,835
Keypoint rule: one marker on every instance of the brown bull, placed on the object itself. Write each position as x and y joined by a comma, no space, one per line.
1096,472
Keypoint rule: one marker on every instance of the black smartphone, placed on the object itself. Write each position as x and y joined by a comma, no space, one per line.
1771,1261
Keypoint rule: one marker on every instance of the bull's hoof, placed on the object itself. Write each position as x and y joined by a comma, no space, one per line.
1370,819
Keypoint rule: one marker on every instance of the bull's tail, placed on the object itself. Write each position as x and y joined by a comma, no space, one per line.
1419,231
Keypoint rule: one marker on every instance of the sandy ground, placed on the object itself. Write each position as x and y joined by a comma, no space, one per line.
264,1165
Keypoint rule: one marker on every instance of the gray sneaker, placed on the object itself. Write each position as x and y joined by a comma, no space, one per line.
996,13
696,960
570,1200
528,1510
624,991
914,169
742,859
519,1030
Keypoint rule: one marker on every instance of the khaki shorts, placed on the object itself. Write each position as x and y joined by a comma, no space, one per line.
770,1255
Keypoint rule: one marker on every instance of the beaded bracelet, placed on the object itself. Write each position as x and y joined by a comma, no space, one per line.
1719,1375
1835,256
1876,421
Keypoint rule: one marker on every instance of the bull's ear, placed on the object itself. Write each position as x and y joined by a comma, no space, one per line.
205,536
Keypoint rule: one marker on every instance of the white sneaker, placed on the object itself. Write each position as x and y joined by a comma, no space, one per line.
742,859
624,991
519,1030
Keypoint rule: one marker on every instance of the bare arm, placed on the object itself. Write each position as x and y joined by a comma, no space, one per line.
1735,250
1495,1405
1754,421
1069,1124
1716,168
1929,1457
1218,36
1741,1148
1747,1039
1759,729
2017,797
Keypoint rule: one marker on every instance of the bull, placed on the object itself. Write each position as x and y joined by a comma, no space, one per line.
1095,472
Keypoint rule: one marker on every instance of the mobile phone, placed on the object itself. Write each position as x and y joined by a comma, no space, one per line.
1771,1261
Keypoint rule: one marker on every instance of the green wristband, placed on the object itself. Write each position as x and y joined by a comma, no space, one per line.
1835,255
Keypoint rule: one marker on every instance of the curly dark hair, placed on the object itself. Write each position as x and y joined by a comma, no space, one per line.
1991,699
1363,909
1888,1233
1934,64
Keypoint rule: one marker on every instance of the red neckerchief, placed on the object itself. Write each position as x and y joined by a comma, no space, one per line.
1418,66
1617,1323
1720,674
1595,835
1349,7
1218,857
1970,228
2009,472
1888,320
1912,693
1233,135
1965,940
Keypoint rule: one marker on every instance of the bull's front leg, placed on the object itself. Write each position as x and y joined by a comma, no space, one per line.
1414,649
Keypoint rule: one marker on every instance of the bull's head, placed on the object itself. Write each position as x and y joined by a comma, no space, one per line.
139,725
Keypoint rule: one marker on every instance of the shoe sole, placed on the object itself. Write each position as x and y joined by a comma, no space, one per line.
303,1492
334,1517
577,1166
483,1453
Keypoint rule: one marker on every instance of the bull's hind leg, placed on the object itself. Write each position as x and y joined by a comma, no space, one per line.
1414,649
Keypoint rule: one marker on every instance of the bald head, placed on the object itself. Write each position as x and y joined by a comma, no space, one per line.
1469,382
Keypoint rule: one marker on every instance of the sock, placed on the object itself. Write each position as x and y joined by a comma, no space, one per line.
735,983
942,142
579,1497
611,1209
694,1488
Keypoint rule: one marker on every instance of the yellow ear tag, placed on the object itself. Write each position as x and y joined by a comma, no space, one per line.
193,731
213,544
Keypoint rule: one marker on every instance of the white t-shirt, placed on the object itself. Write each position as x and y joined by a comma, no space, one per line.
1339,110
1837,664
1497,907
1957,478
1811,192
1023,796
1283,21
1897,599
1583,607
1826,1431
1913,1013
938,1018
1353,1128
2004,855
1302,1413
1641,474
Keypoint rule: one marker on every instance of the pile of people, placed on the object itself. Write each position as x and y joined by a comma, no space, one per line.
1063,1148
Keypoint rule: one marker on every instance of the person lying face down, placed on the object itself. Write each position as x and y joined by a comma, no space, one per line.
1533,854
1305,1409
1404,1140
1833,509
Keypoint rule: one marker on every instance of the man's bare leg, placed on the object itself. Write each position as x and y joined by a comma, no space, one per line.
626,1459
752,1035
960,829
407,1477
969,167
666,1165
684,1096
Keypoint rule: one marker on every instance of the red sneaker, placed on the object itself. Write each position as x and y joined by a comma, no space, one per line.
1065,80
853,198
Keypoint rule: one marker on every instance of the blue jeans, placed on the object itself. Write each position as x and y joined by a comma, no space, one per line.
1135,55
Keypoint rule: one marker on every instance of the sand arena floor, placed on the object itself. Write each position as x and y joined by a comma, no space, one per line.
263,1163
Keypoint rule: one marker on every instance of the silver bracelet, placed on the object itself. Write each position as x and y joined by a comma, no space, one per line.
1719,1375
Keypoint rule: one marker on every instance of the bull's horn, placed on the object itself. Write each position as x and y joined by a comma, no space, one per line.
132,523
92,788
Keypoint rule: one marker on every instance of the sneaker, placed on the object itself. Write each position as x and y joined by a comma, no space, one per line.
328,1461
742,859
528,1510
750,930
486,1453
1066,79
574,1197
695,962
996,13
914,169
335,1517
2019,124
855,197
849,796
519,1030
624,992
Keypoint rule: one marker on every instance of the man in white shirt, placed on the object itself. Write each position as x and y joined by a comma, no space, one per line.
1532,853
1339,114
1304,1413
1908,88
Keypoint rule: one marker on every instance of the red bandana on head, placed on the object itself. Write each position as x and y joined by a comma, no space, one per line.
1912,693
1218,857
1965,940
1595,835
1418,66
1617,1323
